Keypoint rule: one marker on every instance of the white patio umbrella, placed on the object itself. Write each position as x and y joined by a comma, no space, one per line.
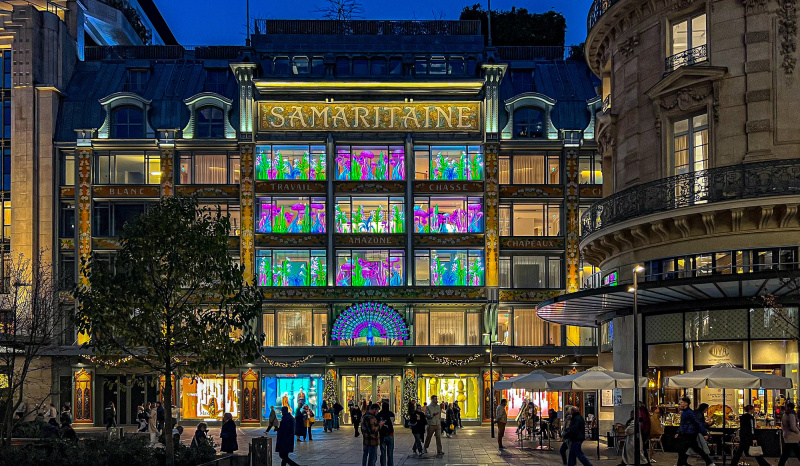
595,378
727,376
535,380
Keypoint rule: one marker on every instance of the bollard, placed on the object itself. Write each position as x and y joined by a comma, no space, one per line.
261,451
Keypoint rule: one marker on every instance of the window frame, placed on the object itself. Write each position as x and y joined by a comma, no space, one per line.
690,134
546,212
312,253
471,254
209,128
594,158
548,157
348,254
148,157
232,165
688,19
508,261
117,126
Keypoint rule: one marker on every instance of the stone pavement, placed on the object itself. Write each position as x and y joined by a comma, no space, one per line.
471,446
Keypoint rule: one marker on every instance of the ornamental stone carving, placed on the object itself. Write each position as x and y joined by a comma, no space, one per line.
627,45
787,28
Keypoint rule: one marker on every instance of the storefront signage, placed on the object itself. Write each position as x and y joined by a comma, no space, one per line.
708,354
592,190
531,191
370,240
369,359
363,116
532,243
289,187
125,191
448,187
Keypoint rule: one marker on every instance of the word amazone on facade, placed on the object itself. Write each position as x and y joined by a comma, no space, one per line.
399,209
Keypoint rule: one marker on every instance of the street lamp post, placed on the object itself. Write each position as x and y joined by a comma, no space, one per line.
491,380
635,289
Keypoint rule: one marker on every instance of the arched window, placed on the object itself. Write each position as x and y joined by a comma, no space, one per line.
128,123
210,122
529,123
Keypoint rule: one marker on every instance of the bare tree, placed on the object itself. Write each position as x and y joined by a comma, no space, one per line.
341,9
438,15
31,321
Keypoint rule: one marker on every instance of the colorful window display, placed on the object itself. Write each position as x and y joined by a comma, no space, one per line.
370,268
463,389
291,215
292,268
448,163
449,267
370,215
364,323
209,396
362,163
448,215
292,391
290,163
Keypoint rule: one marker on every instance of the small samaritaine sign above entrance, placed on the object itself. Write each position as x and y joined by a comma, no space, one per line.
361,116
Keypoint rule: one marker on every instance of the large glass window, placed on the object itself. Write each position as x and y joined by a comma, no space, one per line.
291,215
452,327
209,122
529,123
690,144
448,215
66,221
523,219
530,330
202,396
67,170
448,163
127,169
370,215
689,36
108,218
128,123
590,165
297,327
450,388
537,271
209,169
449,267
360,163
290,162
226,209
370,267
291,268
531,169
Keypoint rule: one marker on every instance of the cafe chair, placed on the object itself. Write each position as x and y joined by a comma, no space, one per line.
734,443
619,436
656,445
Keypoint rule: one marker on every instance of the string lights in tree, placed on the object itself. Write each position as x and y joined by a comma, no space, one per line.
409,389
455,362
286,365
537,362
108,362
329,394
369,320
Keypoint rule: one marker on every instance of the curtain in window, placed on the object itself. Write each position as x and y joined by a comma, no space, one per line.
294,328
320,329
530,330
269,330
210,169
529,272
421,328
447,328
528,169
681,147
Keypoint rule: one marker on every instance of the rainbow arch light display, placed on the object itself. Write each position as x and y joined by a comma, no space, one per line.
369,320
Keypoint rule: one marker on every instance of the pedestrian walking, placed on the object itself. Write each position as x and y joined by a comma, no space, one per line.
309,416
576,434
152,428
110,415
747,438
159,417
501,418
284,441
228,434
273,420
457,412
417,422
688,433
337,411
51,413
300,424
449,420
434,416
564,450
791,434
327,417
355,417
370,429
142,418
386,420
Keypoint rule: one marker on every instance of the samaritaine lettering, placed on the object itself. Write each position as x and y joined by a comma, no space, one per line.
424,116
369,359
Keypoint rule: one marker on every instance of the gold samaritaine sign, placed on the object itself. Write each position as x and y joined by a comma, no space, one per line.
358,116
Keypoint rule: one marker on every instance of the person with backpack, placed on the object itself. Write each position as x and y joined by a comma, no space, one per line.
418,424
337,411
355,417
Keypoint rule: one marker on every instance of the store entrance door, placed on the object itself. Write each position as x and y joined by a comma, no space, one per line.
372,389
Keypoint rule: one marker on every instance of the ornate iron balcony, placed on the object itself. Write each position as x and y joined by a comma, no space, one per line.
596,11
744,181
687,57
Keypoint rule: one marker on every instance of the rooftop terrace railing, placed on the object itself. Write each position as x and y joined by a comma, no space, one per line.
367,27
599,7
161,52
534,52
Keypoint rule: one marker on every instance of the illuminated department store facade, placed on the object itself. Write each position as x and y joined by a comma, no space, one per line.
394,207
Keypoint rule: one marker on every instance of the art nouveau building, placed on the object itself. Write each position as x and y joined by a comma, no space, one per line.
698,139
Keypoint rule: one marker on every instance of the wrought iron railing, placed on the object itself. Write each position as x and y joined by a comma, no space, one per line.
531,52
607,104
687,57
161,52
367,27
743,181
596,11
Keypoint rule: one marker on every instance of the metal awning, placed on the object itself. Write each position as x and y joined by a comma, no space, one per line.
589,308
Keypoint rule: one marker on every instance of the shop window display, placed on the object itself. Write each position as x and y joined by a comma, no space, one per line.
542,400
292,391
290,163
365,163
291,268
450,388
291,215
370,215
449,268
370,268
448,215
209,396
448,163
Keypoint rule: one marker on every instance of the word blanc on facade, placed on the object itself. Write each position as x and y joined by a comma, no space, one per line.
384,116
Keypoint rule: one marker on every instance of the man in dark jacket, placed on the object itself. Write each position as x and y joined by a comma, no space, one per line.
355,416
747,437
337,410
576,434
159,416
687,435
284,442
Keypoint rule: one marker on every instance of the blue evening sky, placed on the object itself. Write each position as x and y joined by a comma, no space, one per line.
222,22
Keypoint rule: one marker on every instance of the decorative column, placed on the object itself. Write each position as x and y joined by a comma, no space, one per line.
572,246
166,144
246,202
84,212
491,197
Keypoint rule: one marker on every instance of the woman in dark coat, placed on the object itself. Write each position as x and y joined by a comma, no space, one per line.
300,424
284,443
228,434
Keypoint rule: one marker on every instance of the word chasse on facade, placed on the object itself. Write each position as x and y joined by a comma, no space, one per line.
397,116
